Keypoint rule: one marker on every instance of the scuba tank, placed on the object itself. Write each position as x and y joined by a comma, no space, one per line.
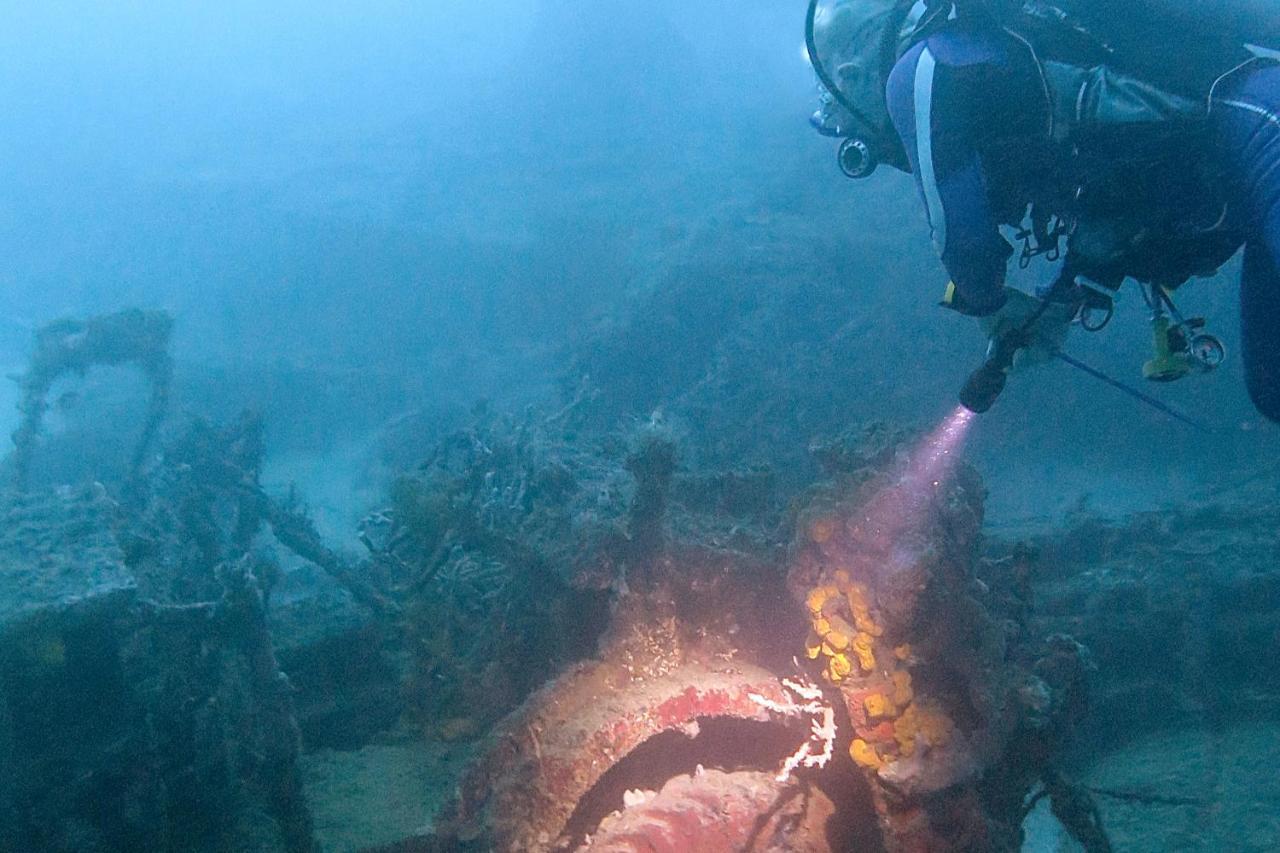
1177,48
1128,100
1181,47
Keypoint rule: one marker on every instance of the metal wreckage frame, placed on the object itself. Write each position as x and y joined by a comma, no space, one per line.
693,666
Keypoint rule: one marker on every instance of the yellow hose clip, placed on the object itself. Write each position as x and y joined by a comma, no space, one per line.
1166,365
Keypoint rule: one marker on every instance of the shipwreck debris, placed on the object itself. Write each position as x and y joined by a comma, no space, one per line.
70,346
171,717
643,621
926,715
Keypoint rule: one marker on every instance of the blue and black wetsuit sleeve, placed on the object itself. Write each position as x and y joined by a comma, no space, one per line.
943,98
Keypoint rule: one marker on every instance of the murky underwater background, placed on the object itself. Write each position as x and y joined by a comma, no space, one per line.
510,337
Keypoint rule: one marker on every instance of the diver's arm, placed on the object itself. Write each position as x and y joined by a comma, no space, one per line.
937,117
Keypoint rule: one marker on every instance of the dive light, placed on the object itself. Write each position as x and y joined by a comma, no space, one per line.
983,388
984,385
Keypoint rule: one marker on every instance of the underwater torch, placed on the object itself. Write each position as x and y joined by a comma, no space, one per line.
984,385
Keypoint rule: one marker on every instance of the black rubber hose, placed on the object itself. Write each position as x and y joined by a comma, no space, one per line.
824,78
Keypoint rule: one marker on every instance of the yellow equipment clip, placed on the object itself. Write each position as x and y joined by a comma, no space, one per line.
949,295
1166,365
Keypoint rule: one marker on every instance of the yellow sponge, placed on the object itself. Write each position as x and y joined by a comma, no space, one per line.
878,705
865,755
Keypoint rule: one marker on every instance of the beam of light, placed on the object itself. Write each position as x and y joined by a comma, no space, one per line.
935,459
880,528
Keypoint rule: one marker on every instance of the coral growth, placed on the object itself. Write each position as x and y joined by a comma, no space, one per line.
898,705
902,632
819,748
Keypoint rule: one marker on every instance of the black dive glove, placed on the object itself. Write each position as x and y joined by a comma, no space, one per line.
1045,337
953,299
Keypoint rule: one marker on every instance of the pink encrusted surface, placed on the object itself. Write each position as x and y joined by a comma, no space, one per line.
713,812
547,756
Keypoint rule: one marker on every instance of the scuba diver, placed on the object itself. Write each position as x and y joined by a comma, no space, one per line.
1144,135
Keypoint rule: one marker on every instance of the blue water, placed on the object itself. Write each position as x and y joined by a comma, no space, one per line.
365,218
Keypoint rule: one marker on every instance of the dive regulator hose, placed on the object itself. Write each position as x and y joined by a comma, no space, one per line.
824,77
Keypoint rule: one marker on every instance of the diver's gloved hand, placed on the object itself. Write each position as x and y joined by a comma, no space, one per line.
954,300
1046,336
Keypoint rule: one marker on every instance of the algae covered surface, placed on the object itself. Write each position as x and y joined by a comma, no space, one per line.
1225,772
1195,789
379,794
